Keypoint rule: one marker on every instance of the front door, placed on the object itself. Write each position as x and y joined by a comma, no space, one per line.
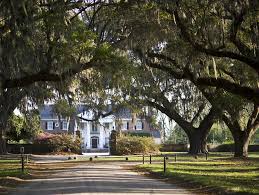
94,142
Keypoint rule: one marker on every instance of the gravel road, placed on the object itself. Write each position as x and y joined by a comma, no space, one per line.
97,178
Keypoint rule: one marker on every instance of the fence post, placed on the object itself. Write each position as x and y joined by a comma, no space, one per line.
175,158
164,164
22,163
22,157
143,159
27,158
150,159
206,155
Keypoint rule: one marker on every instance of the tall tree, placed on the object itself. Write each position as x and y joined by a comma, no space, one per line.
43,41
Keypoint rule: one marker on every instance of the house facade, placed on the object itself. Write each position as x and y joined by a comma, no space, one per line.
95,134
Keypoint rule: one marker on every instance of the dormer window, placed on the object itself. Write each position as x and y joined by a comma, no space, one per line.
107,125
94,127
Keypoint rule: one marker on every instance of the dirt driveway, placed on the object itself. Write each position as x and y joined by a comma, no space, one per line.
96,178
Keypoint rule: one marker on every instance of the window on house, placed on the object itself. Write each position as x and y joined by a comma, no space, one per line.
124,125
65,125
106,145
50,125
139,125
107,125
94,127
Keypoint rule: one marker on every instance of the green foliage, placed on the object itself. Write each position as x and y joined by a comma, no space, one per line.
62,143
139,134
177,136
127,144
23,127
225,148
255,139
219,134
62,108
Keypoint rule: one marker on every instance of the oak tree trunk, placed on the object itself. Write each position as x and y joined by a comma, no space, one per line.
241,144
2,144
198,143
3,123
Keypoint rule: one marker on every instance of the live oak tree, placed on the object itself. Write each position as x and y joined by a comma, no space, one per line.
43,42
227,30
182,102
212,43
165,39
240,116
232,109
222,34
223,57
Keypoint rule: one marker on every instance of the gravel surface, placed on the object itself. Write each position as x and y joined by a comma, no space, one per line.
97,178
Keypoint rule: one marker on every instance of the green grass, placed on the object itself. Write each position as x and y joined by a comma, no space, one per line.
13,173
11,168
221,172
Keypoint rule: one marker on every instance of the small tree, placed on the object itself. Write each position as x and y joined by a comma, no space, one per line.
23,127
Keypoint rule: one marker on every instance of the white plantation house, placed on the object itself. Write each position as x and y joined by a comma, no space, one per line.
95,134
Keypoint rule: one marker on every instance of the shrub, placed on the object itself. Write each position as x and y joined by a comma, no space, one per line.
139,134
225,148
61,142
231,148
128,144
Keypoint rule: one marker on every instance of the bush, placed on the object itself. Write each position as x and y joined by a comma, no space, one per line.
225,148
128,144
174,148
61,143
231,148
139,134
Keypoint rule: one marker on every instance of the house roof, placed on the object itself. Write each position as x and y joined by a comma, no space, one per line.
46,111
123,113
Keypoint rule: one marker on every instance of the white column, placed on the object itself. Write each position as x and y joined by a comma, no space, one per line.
101,137
113,125
84,134
88,136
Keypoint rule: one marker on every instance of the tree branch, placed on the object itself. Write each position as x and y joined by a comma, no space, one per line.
249,93
44,76
252,62
201,108
97,117
253,121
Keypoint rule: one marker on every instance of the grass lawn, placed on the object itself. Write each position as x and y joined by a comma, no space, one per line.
11,168
11,173
220,172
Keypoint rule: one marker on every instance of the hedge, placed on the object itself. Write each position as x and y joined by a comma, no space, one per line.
128,144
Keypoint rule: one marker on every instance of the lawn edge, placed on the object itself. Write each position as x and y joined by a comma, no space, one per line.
179,181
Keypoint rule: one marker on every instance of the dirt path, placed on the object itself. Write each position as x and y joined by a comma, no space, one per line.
99,178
